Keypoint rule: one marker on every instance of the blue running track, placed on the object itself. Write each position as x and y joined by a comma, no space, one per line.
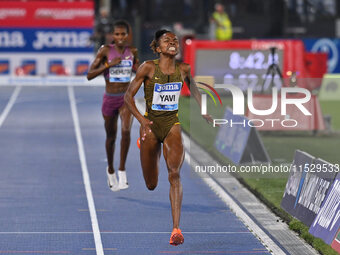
43,205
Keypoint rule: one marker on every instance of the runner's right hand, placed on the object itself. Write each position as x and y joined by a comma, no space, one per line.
145,128
115,61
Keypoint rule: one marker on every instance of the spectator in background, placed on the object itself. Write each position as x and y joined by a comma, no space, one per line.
102,29
121,8
223,28
188,7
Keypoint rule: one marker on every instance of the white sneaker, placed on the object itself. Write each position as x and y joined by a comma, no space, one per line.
112,180
123,184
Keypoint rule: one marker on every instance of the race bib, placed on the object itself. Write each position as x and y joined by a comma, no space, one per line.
166,96
121,72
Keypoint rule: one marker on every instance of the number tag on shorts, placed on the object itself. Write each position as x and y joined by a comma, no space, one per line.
121,72
165,96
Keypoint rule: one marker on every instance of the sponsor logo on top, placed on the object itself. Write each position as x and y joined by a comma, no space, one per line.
168,87
6,13
60,13
40,40
52,39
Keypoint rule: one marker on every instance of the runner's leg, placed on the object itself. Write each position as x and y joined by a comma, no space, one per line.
174,155
126,121
110,123
150,151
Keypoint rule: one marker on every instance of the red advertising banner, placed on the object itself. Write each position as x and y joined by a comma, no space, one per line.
44,14
336,242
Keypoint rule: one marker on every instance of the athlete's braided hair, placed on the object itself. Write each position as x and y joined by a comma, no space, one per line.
154,44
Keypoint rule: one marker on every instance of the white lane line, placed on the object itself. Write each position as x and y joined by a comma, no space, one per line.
111,232
243,216
86,177
9,105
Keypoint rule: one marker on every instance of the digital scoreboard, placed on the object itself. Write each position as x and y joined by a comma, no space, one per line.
243,68
244,63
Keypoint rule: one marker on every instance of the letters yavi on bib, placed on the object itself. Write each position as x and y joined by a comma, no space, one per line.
165,96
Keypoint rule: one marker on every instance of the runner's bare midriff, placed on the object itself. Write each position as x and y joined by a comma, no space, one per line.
116,87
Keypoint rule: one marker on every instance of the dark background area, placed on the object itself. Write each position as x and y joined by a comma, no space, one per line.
251,19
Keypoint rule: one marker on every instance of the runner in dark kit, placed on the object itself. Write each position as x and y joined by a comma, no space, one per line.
116,62
163,79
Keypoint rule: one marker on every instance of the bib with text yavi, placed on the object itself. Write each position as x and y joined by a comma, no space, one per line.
121,72
165,96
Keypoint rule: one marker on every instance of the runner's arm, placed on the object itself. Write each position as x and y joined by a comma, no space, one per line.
141,75
191,83
136,63
100,63
193,88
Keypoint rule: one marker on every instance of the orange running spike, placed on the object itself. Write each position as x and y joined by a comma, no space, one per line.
138,142
176,237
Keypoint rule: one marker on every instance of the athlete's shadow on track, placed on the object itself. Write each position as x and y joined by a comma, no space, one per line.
185,207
